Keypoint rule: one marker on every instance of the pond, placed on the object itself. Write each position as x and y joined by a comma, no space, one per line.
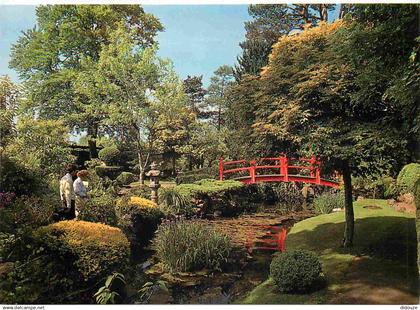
244,270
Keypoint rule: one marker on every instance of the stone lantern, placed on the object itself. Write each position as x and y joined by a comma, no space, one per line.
154,174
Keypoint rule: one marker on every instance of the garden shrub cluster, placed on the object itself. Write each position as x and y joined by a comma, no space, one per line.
143,191
328,201
110,155
64,262
16,178
190,246
125,178
288,196
407,178
197,175
369,187
28,211
100,209
227,197
111,172
139,219
232,197
297,271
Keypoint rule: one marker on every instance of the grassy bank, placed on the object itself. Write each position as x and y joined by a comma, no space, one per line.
382,261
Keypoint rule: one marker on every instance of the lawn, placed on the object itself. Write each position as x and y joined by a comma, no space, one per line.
380,268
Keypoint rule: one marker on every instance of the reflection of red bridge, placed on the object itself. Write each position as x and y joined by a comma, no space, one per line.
274,239
276,169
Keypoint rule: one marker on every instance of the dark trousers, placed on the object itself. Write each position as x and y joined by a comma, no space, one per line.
69,214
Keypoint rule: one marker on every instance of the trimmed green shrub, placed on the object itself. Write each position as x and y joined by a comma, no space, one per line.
99,209
191,246
229,197
139,219
296,271
111,172
110,155
125,178
407,178
209,187
94,162
325,203
65,261
197,175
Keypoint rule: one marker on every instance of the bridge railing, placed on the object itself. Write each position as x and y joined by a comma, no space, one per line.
283,166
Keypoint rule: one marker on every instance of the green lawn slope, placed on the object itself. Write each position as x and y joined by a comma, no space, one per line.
380,268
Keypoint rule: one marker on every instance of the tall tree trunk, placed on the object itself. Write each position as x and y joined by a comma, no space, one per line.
141,176
190,162
323,12
173,164
343,10
142,165
93,134
219,118
348,204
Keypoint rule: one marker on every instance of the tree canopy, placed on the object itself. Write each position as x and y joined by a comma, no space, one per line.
49,57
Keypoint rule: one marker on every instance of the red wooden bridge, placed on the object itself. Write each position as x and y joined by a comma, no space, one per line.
276,169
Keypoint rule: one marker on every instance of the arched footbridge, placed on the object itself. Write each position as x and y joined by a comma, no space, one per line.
277,169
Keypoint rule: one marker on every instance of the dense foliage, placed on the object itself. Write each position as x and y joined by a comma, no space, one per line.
111,172
190,246
407,178
125,178
49,58
315,97
100,209
110,155
64,261
138,218
297,271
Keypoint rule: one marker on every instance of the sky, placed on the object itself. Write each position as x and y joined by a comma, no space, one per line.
197,38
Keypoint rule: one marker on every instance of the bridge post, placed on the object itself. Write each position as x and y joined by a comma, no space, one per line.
221,169
313,167
318,173
252,170
284,168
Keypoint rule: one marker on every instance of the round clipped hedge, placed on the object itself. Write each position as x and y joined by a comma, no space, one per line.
407,178
296,271
126,178
110,155
111,172
64,262
139,219
99,209
98,249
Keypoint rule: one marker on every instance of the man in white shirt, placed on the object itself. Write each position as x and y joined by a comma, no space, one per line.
80,190
67,192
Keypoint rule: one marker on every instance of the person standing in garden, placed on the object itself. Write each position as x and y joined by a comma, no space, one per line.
80,190
67,192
